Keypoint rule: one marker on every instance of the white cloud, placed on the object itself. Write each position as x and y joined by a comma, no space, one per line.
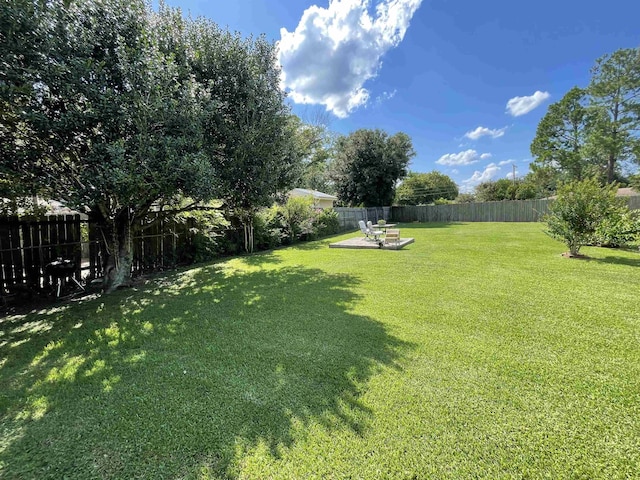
520,105
333,51
484,131
462,158
385,96
510,175
478,177
506,162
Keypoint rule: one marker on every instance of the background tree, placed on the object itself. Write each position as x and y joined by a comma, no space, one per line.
505,189
561,136
314,142
493,191
367,165
615,100
466,198
425,188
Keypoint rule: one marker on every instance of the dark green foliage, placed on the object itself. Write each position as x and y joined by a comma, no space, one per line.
114,109
314,144
367,165
561,137
465,198
491,191
425,188
542,179
594,132
268,228
615,100
505,189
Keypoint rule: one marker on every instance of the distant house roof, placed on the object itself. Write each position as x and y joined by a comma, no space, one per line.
627,192
622,192
313,193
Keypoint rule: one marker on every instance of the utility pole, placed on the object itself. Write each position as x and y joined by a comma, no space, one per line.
514,174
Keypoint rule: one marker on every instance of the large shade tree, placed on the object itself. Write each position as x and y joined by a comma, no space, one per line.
368,163
425,188
122,110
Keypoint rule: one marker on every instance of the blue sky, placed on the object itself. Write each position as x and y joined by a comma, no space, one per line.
468,81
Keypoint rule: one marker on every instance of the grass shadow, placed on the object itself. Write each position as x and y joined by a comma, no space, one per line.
189,374
631,262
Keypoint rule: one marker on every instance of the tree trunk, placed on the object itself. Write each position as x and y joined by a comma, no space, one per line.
120,253
611,162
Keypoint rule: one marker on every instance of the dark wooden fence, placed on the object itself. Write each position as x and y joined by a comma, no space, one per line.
27,246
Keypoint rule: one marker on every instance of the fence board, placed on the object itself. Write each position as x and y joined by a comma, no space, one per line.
5,257
28,245
16,253
31,272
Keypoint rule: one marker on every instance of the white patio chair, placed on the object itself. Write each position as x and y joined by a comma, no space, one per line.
373,232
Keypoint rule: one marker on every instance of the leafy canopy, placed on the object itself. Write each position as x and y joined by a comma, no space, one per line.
425,188
367,165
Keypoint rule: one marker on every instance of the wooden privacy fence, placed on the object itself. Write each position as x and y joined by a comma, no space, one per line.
27,246
505,211
162,243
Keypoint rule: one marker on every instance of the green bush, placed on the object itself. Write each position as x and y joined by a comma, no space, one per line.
327,223
207,226
620,227
268,229
578,210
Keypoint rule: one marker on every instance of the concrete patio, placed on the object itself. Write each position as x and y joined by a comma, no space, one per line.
361,242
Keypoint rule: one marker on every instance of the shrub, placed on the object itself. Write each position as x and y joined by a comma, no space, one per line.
327,223
298,214
207,226
620,227
578,210
267,229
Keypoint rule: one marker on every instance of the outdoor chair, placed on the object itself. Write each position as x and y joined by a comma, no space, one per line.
372,231
368,233
393,235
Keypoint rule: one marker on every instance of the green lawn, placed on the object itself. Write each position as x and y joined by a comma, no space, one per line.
476,352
